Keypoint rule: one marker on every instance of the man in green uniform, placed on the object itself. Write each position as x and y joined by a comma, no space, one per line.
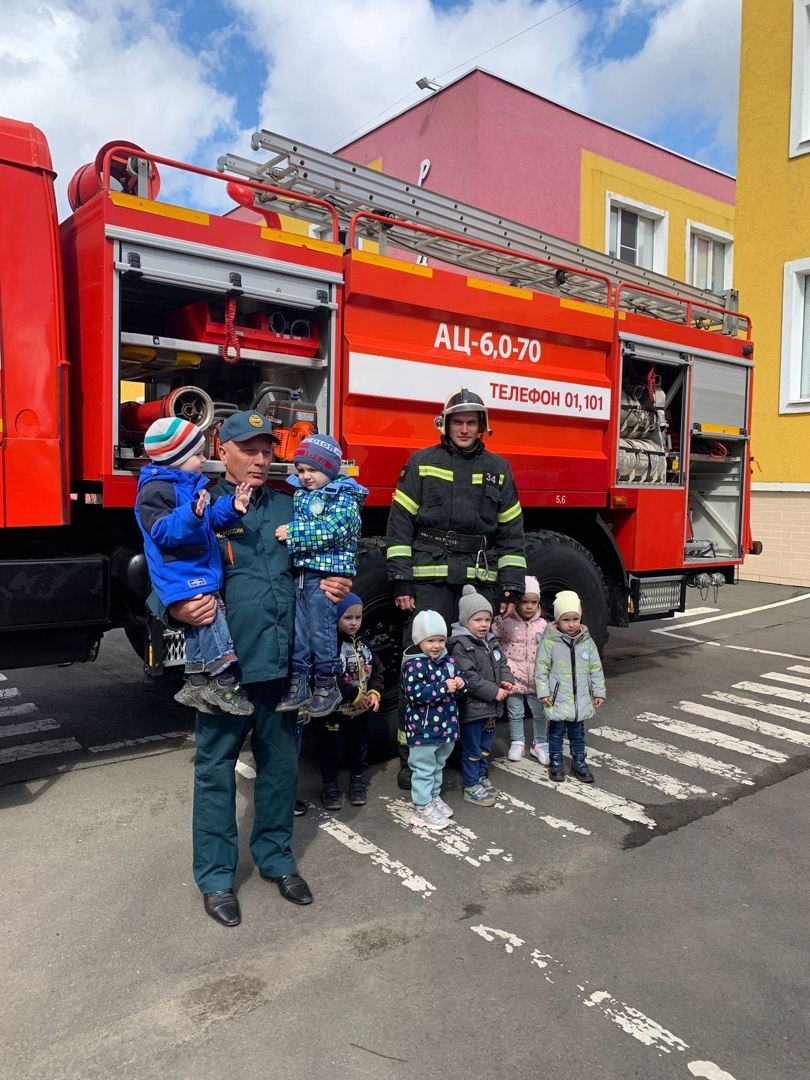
258,594
455,519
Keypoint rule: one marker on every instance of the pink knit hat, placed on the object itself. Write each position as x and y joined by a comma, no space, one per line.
532,586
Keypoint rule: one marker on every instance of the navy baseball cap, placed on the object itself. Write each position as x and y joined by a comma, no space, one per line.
245,425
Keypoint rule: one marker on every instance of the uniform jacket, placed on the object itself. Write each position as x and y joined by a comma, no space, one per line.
360,671
431,710
325,528
482,663
181,549
519,640
473,494
569,671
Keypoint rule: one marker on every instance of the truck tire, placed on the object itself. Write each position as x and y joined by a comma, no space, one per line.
558,562
382,627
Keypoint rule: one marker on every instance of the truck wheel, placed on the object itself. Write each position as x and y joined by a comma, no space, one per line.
558,562
382,627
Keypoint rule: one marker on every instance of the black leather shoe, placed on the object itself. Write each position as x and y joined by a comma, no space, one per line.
293,888
223,907
300,808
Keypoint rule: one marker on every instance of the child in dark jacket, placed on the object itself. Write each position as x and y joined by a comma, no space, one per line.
345,731
430,684
182,553
489,682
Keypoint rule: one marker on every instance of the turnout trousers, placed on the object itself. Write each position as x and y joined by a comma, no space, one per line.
220,738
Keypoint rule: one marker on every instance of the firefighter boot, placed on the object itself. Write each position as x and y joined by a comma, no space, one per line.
404,774
555,768
326,696
297,696
579,769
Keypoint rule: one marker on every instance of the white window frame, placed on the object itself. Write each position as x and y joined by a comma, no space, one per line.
659,218
796,275
695,228
800,81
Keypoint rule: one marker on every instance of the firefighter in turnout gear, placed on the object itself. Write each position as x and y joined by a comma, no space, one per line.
455,520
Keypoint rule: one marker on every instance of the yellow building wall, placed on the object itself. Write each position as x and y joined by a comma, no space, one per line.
600,175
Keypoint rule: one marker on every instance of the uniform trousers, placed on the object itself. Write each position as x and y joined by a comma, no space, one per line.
220,738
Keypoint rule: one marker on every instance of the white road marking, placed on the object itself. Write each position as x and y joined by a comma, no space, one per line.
791,680
714,738
592,796
632,1021
509,802
10,730
138,742
3,678
688,758
38,749
16,710
357,843
773,691
669,785
761,652
738,614
800,668
787,712
693,612
748,723
245,770
456,839
9,692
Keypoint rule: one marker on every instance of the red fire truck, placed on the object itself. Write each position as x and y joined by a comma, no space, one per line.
340,298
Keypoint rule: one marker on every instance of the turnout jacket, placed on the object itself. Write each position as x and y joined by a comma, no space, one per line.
181,549
431,711
360,673
569,671
325,528
483,665
472,494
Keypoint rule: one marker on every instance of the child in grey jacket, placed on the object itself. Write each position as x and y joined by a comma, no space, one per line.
481,663
570,684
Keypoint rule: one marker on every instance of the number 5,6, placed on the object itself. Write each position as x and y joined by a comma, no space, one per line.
559,500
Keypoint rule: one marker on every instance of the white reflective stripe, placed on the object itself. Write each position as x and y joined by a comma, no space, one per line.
399,551
406,502
436,472
512,560
673,753
669,785
510,514
430,571
762,727
714,738
487,576
786,712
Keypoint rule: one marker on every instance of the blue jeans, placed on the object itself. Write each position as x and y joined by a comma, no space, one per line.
515,712
315,644
576,736
427,765
209,648
475,747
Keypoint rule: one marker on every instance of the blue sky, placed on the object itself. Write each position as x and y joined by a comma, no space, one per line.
192,79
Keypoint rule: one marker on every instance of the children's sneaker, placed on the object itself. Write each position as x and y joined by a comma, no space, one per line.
330,795
325,698
357,789
479,795
579,769
442,806
515,752
193,696
487,785
429,817
297,697
555,768
228,697
539,751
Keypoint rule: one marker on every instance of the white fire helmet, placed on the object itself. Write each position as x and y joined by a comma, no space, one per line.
464,400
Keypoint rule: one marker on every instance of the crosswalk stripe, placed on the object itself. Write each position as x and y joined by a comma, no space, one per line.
714,738
456,840
786,712
595,797
11,730
774,691
509,803
688,758
38,749
16,710
780,676
669,785
357,843
800,668
774,731
145,739
9,692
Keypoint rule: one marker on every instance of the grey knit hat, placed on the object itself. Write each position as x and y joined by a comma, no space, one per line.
471,603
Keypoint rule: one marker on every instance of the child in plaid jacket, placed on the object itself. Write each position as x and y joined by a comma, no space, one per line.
322,539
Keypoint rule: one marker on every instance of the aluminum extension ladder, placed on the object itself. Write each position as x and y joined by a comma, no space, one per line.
354,189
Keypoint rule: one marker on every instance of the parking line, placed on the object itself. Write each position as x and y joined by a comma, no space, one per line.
688,758
738,614
714,738
748,723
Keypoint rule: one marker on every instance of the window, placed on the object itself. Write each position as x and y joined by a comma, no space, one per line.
708,258
794,396
636,233
800,83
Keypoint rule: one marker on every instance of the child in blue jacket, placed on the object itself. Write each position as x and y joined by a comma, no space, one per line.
182,553
322,539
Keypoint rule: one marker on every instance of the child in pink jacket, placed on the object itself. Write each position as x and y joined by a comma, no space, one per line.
519,636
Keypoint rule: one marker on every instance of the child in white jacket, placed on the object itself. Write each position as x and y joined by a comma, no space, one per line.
519,636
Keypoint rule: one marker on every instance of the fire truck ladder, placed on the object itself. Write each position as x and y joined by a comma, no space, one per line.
428,224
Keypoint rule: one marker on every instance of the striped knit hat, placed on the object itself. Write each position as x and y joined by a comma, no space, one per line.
321,452
171,440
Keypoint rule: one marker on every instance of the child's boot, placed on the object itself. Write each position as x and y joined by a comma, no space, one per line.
330,795
297,696
227,695
579,769
357,789
326,696
555,768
